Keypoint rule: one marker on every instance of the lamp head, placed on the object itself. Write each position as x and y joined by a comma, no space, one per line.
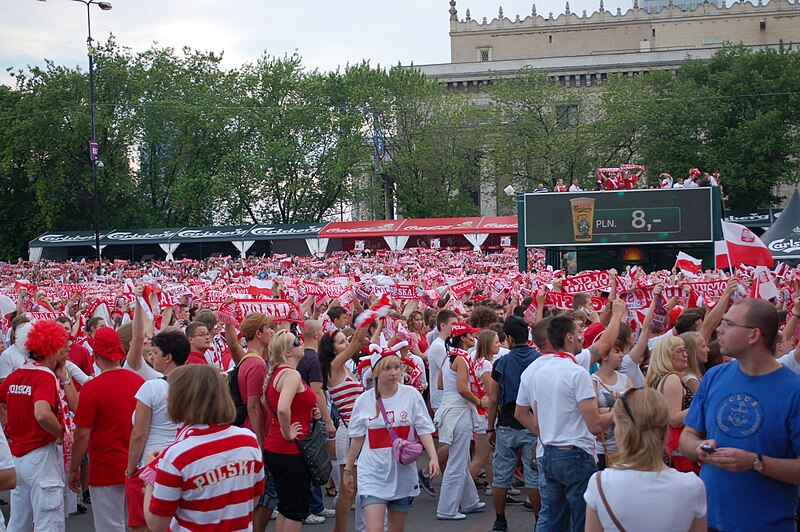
105,6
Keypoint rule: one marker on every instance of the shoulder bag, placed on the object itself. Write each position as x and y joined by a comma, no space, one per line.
312,449
404,451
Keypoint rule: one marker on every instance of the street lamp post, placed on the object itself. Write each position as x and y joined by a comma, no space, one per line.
93,145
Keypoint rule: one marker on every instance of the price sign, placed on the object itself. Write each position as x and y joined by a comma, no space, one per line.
668,216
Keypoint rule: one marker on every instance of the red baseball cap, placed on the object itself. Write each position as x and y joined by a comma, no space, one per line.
462,327
106,343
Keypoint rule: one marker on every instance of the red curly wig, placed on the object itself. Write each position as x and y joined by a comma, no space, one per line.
46,338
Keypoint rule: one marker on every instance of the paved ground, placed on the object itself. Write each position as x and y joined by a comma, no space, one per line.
422,518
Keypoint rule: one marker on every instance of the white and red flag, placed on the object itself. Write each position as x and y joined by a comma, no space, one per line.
687,263
763,284
741,246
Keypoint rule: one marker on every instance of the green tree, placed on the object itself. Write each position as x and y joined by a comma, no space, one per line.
539,130
753,139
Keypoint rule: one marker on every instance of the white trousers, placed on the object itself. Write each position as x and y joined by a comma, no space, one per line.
458,488
39,495
108,508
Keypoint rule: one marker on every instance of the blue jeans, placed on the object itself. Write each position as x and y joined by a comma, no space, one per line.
508,442
317,505
567,471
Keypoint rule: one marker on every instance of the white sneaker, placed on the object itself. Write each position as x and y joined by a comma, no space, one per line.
328,512
488,491
513,491
313,519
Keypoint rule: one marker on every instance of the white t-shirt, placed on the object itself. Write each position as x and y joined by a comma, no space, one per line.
790,362
632,370
525,395
146,371
153,394
6,462
558,387
436,355
656,501
651,343
10,360
379,474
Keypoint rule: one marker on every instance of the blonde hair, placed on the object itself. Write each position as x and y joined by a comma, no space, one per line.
690,342
199,394
279,345
485,341
661,361
641,439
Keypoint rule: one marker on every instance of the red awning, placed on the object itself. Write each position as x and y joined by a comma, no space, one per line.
438,226
361,229
498,225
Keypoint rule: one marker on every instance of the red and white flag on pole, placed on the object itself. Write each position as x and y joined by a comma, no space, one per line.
741,246
687,263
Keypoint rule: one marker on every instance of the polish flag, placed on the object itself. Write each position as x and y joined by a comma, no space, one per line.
781,269
741,246
687,263
259,287
763,284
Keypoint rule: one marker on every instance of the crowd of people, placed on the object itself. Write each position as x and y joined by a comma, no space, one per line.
178,395
631,177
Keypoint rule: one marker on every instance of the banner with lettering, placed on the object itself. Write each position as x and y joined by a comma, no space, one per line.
277,308
587,282
459,288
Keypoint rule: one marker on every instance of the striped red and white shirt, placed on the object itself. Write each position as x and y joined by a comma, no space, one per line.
208,479
344,396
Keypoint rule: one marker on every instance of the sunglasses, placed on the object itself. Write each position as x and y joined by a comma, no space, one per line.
298,340
624,399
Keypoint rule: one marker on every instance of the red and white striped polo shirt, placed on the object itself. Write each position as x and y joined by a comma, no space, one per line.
208,479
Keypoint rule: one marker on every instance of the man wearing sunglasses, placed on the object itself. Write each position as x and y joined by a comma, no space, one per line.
744,424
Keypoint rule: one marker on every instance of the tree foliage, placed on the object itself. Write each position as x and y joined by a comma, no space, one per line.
185,141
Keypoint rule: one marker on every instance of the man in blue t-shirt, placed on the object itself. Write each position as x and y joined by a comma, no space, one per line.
747,414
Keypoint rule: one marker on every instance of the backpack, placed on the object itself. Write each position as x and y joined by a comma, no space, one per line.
233,385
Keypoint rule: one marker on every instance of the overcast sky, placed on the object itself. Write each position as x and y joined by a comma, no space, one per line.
327,34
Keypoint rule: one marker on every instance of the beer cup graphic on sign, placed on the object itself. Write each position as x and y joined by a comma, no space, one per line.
582,218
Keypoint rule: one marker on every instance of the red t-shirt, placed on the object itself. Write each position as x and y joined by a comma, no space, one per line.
81,357
302,404
195,358
252,373
106,405
19,392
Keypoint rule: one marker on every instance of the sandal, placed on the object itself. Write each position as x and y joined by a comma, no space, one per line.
331,491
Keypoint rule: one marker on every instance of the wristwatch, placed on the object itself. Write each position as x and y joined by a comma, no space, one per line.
758,463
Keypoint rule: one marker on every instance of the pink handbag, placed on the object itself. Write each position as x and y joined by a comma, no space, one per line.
406,452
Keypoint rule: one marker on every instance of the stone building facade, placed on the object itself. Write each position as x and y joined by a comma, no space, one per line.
580,51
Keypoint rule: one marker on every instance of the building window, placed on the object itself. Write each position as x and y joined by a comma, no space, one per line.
567,115
484,54
550,39
654,32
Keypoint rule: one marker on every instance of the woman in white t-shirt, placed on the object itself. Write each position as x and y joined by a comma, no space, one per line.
640,491
383,483
609,384
487,349
153,430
